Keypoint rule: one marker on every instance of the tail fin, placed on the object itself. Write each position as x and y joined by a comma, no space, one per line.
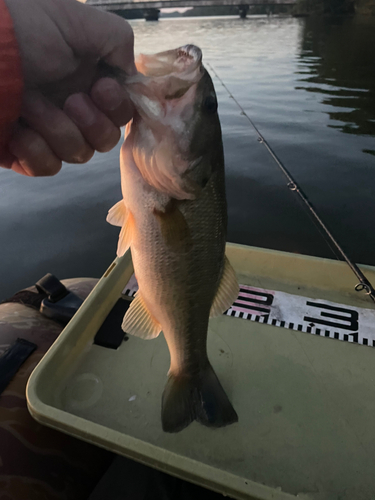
200,398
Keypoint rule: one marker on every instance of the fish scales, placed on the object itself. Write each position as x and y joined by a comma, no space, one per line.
174,216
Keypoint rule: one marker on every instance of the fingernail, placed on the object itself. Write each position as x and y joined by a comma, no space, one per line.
78,108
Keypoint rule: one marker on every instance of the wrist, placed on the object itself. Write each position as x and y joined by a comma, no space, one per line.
10,76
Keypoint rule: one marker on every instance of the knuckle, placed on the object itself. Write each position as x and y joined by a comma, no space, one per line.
126,30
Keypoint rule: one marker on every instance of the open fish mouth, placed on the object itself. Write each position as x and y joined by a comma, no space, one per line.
185,59
190,52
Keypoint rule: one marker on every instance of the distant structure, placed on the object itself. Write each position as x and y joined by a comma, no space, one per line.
151,8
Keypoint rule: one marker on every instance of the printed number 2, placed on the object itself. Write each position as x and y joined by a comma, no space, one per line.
350,317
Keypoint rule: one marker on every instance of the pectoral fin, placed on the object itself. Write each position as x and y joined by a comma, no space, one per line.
139,322
174,228
227,292
119,215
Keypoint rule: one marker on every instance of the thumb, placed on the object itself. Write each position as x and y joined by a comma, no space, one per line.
102,35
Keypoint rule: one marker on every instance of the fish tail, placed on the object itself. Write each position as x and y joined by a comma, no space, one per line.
200,398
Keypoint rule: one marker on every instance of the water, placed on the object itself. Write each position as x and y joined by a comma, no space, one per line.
308,84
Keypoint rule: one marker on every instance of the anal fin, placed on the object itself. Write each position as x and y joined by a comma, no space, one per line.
139,322
227,292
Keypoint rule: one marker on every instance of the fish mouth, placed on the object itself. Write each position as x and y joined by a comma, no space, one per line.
191,53
185,59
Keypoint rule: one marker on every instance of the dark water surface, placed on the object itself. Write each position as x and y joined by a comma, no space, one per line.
308,84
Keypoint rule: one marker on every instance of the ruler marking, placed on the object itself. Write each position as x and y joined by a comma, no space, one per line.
259,305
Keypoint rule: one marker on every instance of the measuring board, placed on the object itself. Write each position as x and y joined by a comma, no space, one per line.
285,310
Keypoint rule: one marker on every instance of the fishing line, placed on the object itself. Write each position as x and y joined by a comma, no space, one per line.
364,283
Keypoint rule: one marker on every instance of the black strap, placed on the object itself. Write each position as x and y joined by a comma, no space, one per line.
53,300
52,287
12,359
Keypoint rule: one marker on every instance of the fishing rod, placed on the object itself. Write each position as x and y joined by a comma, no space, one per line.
364,283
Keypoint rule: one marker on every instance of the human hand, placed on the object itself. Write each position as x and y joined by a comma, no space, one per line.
69,109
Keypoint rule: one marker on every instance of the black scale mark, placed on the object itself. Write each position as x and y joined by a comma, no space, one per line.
355,337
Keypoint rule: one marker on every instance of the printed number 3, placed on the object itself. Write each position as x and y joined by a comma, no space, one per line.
350,317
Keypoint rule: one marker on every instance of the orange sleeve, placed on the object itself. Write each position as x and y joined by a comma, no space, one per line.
11,81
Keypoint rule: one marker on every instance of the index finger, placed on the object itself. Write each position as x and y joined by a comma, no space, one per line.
101,34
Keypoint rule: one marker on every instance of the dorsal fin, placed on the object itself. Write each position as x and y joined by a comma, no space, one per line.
139,322
227,292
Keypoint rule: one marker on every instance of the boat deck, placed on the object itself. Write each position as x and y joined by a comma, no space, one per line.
305,402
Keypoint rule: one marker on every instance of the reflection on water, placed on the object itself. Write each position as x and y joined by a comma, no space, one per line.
309,87
337,61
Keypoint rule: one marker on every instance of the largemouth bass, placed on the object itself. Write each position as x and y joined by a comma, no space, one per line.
174,217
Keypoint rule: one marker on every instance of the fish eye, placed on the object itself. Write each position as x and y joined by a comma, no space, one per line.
210,104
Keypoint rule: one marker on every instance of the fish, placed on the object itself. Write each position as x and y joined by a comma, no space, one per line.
173,217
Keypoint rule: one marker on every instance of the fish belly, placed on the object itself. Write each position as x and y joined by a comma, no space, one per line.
178,286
